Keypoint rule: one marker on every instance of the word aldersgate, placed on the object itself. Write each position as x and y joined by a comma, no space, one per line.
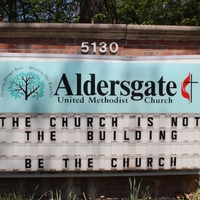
136,89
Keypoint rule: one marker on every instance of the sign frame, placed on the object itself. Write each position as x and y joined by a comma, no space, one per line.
99,173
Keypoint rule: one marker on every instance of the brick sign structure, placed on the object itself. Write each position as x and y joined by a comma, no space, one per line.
157,137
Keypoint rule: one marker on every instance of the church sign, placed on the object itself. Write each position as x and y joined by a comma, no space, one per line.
88,113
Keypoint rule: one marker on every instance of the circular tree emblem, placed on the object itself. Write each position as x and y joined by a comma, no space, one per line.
27,84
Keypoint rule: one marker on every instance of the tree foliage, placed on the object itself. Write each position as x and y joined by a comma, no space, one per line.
38,10
163,12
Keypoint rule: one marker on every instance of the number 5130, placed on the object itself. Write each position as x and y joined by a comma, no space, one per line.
103,47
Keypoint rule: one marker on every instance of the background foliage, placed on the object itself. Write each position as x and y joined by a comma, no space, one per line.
162,12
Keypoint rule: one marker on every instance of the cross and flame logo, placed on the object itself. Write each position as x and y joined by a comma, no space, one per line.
188,80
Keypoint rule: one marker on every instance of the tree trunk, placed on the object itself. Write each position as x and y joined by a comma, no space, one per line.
12,11
98,11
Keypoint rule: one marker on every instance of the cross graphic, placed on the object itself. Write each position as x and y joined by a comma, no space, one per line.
191,82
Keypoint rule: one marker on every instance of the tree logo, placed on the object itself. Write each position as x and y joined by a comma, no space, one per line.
27,84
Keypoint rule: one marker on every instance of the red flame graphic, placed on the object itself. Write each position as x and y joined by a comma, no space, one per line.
184,93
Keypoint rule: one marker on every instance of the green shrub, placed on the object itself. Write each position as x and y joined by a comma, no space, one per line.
135,190
17,196
57,195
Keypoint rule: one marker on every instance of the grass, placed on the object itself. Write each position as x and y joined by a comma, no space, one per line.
50,195
135,190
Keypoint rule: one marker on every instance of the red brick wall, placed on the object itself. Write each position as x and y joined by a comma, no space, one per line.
73,46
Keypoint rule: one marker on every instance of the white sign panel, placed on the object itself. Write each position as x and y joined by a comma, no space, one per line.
99,142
